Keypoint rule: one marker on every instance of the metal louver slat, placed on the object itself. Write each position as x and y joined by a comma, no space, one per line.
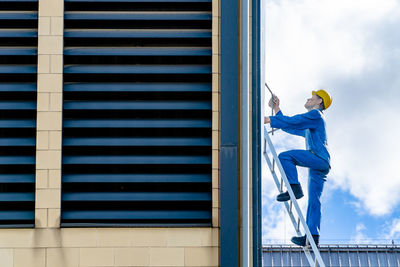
17,142
18,63
18,51
14,124
137,87
137,51
153,215
125,105
137,113
148,160
130,141
134,196
18,87
12,15
17,197
136,178
135,16
130,69
17,160
17,178
8,217
123,33
18,33
17,105
177,124
17,69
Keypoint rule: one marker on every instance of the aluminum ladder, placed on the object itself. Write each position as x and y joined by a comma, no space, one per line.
310,244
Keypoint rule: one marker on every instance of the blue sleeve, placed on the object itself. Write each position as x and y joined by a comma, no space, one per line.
292,131
299,122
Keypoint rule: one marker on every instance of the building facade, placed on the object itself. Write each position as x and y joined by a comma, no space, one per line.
119,133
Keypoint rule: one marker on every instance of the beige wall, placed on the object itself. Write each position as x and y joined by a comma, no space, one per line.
48,245
71,247
49,114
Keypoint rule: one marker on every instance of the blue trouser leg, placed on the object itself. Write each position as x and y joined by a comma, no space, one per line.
319,168
316,181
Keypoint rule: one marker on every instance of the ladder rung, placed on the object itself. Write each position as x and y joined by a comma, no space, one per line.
290,206
273,165
281,189
298,225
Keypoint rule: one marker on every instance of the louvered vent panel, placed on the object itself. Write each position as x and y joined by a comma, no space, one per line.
18,63
137,113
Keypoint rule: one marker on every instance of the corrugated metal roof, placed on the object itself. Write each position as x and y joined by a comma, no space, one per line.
334,255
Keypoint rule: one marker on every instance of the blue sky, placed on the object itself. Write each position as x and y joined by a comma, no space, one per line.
351,49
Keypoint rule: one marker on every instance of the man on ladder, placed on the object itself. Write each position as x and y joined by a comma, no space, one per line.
311,126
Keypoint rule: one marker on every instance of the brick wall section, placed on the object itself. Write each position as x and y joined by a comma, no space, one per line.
49,113
109,247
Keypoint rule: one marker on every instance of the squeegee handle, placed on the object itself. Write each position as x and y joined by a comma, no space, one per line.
269,89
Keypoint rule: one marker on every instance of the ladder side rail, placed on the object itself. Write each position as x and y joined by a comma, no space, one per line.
276,179
291,216
291,194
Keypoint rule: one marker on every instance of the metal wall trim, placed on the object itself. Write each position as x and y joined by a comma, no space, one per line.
256,134
230,248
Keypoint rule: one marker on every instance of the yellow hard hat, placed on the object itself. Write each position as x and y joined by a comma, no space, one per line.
326,98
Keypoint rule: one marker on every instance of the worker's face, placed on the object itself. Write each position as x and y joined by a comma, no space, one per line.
312,102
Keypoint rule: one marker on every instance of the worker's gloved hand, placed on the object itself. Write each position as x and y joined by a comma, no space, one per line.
274,102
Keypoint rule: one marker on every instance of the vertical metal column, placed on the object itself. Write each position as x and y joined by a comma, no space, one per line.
245,135
256,78
229,135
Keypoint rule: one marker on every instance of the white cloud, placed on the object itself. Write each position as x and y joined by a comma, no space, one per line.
360,237
365,160
392,231
310,41
351,48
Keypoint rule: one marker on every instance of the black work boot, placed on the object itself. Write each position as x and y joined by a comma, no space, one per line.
298,193
301,240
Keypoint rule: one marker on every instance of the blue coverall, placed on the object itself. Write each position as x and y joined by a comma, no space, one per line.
310,125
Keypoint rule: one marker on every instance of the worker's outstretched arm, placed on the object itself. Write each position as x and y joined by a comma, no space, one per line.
292,131
303,121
